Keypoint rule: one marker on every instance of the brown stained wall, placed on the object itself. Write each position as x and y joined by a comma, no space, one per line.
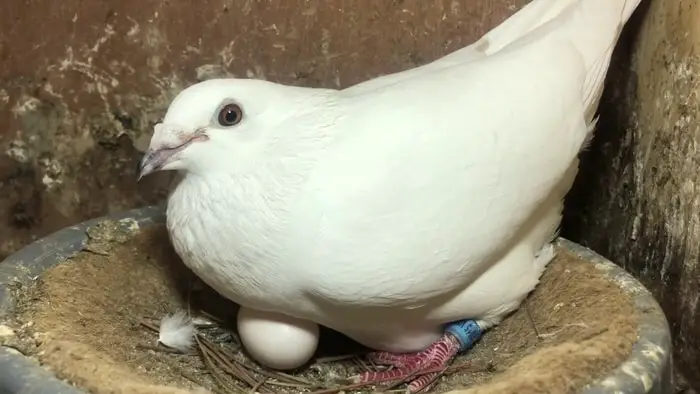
82,82
638,199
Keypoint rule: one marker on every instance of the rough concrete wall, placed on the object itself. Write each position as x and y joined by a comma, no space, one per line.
82,82
638,199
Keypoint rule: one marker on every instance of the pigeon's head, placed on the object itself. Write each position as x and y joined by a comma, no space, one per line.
217,125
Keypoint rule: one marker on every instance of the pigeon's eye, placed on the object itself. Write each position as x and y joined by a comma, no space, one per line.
230,115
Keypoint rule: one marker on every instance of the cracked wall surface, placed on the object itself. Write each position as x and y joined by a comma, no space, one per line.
82,83
638,199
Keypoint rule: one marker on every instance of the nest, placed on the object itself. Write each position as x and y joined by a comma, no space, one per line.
93,320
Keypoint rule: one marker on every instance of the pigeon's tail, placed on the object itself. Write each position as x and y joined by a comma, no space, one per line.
518,25
594,26
515,27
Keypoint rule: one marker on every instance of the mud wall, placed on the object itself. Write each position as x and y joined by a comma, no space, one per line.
82,83
638,198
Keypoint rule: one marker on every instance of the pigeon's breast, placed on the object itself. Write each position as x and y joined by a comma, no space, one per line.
229,247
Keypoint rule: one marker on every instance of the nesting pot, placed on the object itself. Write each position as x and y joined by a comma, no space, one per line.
647,368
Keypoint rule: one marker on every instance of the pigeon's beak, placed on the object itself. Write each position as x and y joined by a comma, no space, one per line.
153,161
166,142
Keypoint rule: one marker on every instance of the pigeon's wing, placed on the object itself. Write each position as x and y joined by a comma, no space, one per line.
428,180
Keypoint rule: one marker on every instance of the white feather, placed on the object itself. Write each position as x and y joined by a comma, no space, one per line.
177,331
200,321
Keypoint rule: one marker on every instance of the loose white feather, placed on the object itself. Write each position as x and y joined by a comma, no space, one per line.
177,331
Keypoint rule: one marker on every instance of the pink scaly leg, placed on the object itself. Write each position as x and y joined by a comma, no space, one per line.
459,336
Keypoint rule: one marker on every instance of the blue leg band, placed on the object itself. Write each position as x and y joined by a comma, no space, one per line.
466,331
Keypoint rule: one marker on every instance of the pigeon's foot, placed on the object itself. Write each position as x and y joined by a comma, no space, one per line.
422,369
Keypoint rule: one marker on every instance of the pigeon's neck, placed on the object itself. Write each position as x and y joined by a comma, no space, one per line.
237,219
265,191
264,178
249,208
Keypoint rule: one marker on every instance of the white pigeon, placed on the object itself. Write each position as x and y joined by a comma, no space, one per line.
410,212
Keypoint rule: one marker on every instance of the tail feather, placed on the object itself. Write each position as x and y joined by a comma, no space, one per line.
598,49
527,19
518,25
593,27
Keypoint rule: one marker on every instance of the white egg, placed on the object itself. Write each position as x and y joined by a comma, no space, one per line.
277,341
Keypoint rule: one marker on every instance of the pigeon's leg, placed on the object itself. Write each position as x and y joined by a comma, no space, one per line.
459,336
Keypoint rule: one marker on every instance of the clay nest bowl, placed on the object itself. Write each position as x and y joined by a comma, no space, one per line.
85,304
